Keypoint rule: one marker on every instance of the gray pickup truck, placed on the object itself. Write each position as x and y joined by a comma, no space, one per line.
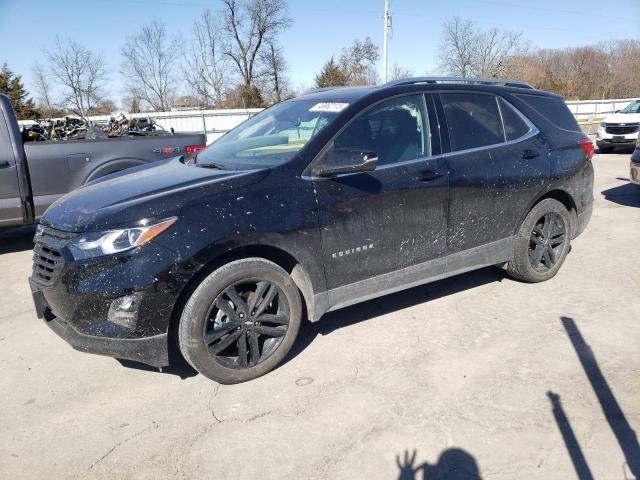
35,174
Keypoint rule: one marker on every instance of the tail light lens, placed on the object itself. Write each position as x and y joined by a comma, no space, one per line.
193,149
587,147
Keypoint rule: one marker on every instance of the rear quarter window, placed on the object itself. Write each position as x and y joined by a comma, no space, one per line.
514,126
553,109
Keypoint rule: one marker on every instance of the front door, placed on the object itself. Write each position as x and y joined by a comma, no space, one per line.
10,199
394,217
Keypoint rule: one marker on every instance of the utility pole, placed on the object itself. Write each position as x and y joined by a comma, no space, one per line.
387,24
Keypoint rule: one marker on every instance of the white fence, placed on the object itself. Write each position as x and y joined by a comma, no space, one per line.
584,109
216,122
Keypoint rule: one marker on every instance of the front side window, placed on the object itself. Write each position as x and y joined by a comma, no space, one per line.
395,130
473,120
272,137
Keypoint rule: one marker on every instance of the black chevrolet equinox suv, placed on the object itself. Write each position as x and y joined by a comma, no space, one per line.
319,202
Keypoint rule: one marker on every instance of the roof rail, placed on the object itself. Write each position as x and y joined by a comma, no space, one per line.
481,81
324,89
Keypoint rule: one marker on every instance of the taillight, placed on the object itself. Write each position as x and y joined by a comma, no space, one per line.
193,149
587,147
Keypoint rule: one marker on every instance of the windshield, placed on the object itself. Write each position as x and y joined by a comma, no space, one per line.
272,137
633,107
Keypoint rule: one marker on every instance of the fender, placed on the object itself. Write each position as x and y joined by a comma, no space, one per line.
552,190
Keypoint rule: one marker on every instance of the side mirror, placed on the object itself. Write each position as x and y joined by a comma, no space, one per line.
346,160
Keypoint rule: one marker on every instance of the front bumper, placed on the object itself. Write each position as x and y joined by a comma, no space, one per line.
152,350
604,139
74,297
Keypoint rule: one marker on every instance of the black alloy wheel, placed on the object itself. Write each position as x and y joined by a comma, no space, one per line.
547,240
246,323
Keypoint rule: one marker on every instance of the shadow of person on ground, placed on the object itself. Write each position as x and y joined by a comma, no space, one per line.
17,239
625,435
627,195
390,303
453,464
570,440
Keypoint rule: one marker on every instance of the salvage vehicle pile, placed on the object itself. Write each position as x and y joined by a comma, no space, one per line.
77,128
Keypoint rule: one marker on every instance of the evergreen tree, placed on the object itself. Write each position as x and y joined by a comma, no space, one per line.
331,75
11,85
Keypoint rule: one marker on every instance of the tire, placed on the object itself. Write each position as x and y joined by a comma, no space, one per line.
225,318
548,227
605,149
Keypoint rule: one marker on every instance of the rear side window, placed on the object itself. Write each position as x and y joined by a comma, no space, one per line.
553,109
473,120
514,126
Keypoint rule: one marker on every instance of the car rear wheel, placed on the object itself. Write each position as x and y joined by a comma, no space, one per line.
542,242
241,321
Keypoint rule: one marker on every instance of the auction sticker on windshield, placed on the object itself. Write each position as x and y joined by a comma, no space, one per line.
328,107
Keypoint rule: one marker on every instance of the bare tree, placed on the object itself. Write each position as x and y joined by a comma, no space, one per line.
467,50
132,100
398,72
81,74
588,72
494,49
207,72
275,70
150,59
247,27
358,62
42,83
457,47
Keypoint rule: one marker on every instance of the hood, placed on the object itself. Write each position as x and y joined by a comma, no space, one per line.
623,118
153,191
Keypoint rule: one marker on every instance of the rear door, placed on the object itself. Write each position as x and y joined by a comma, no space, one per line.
10,199
497,163
381,221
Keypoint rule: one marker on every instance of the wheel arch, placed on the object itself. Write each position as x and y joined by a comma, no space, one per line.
561,196
113,166
277,255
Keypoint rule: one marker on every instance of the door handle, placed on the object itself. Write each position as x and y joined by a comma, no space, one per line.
5,164
529,154
429,175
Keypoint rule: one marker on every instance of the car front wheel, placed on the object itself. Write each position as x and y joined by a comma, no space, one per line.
241,321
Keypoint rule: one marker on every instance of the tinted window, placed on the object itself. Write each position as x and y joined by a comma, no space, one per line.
394,130
473,120
514,126
554,109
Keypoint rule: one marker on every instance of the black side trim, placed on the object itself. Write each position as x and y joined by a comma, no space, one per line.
485,255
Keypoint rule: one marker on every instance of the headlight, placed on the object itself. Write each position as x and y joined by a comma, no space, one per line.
603,125
95,244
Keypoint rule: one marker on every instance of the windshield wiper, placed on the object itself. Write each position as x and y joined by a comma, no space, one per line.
218,166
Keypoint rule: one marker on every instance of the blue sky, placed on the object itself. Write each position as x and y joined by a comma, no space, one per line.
321,27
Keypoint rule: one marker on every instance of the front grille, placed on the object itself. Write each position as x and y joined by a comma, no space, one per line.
47,254
622,129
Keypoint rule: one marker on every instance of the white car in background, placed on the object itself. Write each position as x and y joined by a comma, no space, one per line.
620,129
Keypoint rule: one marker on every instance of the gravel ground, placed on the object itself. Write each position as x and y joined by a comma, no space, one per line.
476,373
